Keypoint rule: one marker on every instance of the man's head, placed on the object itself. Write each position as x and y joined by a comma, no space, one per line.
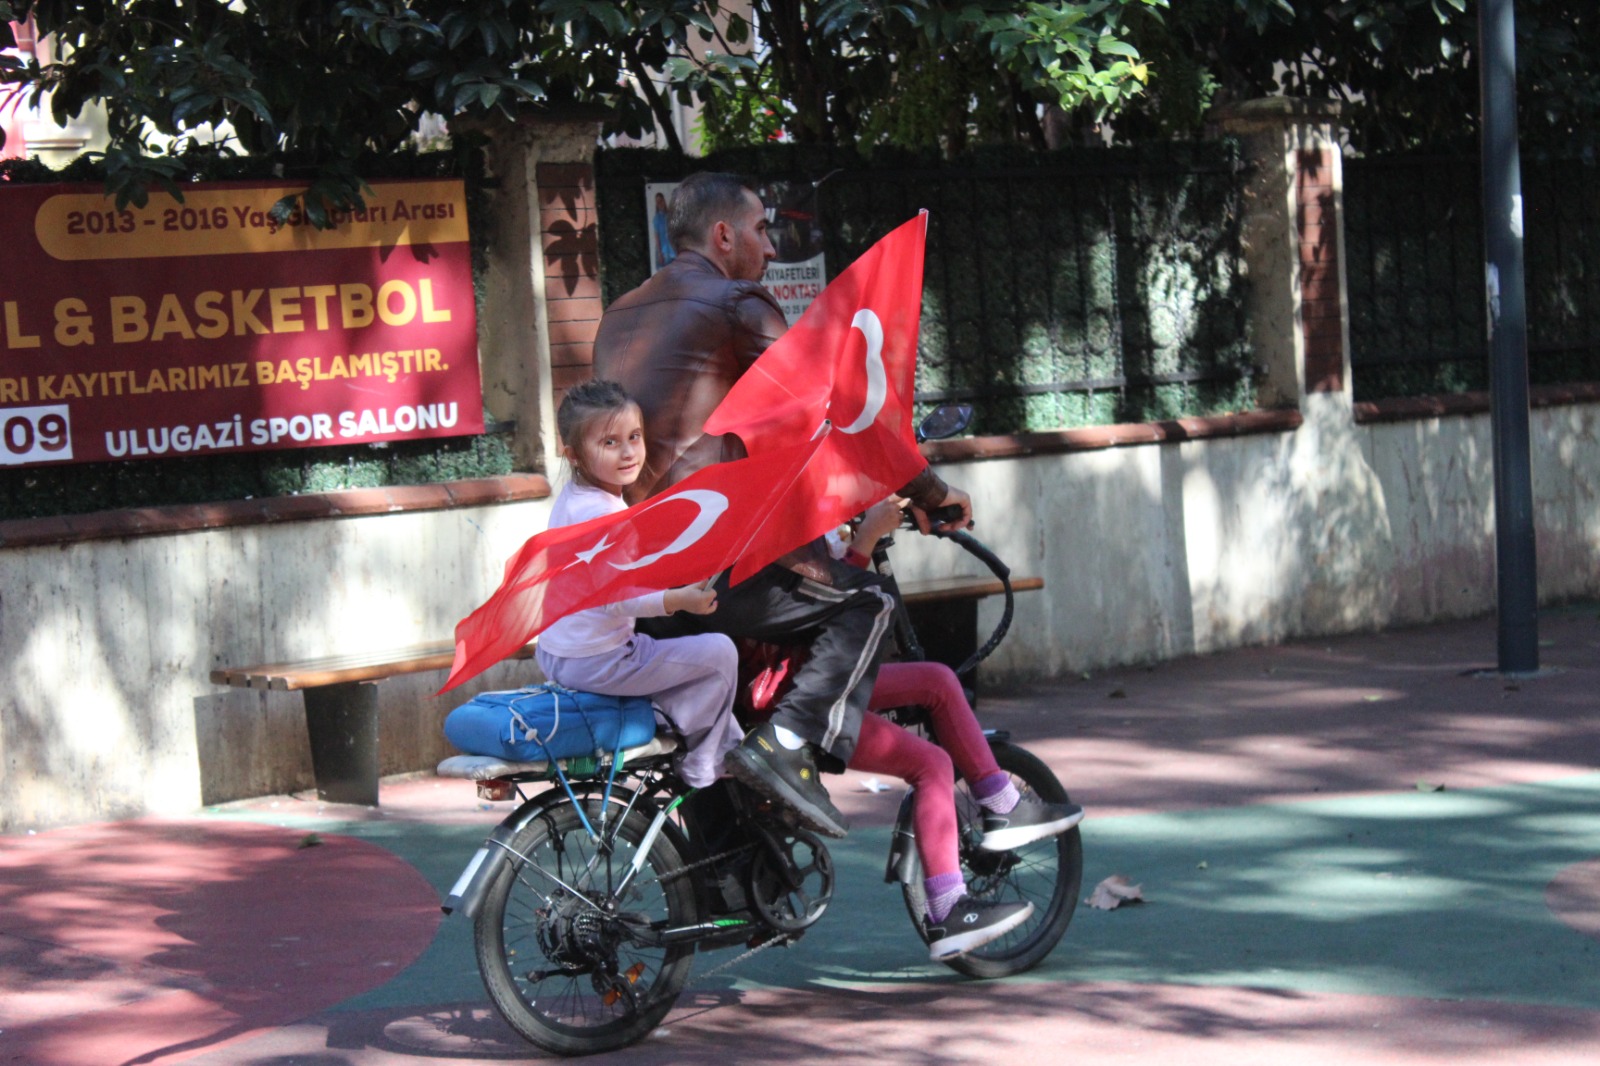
721,217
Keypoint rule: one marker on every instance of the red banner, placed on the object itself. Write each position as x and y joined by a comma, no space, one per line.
202,327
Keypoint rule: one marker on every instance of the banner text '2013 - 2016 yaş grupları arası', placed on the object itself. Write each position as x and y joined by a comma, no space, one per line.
205,326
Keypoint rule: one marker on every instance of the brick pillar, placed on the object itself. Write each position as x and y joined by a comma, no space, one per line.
569,236
540,287
1294,237
1318,199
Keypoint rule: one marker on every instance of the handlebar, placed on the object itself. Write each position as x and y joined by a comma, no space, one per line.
981,551
973,546
951,513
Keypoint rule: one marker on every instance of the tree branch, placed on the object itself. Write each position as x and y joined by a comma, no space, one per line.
658,104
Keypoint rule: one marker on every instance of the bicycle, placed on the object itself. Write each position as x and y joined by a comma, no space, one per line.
591,898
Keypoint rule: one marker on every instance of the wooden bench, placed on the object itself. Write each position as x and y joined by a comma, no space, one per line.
341,692
341,701
944,613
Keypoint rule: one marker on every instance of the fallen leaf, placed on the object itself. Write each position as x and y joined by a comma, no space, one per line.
310,840
1429,786
1113,892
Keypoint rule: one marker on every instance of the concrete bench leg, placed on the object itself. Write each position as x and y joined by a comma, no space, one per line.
343,723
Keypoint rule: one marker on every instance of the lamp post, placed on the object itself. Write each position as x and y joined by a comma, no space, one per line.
1516,569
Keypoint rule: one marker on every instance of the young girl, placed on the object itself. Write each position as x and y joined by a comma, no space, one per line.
691,679
958,923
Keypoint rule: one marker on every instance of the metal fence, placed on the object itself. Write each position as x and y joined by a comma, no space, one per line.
1073,289
1415,268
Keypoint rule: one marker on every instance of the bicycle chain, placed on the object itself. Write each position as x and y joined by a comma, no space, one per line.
781,938
689,867
774,941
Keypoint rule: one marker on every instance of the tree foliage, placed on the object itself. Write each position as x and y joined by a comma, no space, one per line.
319,85
924,73
1406,70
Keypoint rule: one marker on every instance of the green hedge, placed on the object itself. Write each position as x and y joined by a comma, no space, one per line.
43,491
1062,289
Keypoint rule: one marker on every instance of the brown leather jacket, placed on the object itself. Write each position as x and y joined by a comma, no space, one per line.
677,344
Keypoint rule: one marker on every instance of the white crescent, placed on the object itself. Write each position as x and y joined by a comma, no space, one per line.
866,321
710,504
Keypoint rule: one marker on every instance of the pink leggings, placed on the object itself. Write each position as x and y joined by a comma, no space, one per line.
885,748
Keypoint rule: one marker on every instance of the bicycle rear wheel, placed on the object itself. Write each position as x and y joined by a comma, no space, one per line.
573,965
1047,873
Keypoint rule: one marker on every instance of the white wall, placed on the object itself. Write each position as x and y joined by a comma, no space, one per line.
1157,551
106,707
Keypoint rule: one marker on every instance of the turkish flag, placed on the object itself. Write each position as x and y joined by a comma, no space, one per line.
851,360
697,529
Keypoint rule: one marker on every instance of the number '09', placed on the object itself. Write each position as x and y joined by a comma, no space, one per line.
21,434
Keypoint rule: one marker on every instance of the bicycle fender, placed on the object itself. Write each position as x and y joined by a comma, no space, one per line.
466,895
902,862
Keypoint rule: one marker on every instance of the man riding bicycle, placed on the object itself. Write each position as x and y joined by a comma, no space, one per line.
678,343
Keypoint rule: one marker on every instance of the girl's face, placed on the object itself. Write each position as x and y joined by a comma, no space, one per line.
612,452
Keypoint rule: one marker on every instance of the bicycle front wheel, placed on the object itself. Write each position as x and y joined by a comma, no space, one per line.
571,956
1047,873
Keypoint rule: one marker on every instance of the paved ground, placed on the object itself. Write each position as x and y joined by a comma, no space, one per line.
1313,895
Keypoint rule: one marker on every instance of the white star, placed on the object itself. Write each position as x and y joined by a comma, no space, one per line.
588,556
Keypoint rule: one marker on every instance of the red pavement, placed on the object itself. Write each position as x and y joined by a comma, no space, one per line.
143,941
224,942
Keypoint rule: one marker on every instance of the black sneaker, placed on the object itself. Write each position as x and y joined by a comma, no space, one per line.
972,924
1031,819
788,777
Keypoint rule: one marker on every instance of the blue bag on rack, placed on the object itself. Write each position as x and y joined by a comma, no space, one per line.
549,722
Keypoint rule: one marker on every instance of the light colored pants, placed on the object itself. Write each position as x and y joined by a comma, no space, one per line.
691,680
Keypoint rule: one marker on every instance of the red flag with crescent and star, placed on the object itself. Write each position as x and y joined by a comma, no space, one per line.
695,530
851,360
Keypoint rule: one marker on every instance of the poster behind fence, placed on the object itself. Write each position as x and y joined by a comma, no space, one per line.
203,327
797,276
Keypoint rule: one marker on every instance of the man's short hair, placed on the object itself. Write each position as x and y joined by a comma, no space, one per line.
700,202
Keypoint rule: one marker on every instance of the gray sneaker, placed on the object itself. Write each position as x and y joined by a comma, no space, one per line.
1031,819
971,924
788,777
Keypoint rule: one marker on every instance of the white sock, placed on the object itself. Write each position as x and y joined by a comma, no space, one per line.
787,739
